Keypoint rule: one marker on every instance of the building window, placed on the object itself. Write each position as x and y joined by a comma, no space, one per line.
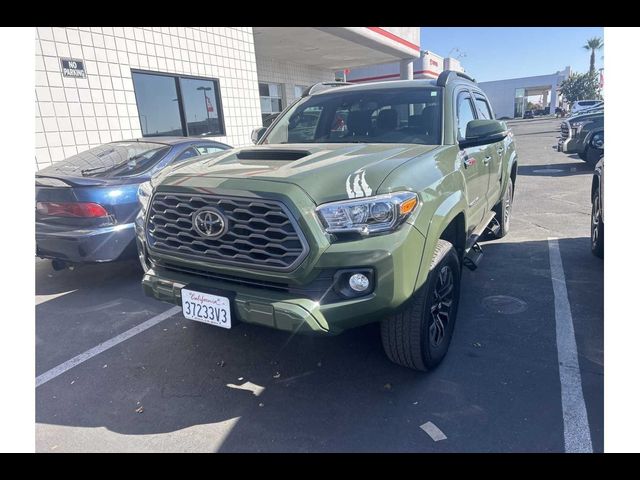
518,106
177,105
298,90
270,99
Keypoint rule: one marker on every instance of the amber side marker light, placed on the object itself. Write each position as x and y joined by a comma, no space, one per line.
408,205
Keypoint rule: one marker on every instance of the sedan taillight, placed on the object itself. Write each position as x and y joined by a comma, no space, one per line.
71,209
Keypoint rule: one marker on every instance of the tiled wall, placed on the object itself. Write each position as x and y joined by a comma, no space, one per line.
73,115
290,74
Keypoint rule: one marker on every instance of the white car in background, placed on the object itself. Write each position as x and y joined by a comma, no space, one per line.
584,104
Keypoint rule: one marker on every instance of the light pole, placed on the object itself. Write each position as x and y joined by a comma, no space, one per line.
206,106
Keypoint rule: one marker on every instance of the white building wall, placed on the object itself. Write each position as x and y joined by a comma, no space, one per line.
502,93
453,64
73,115
411,34
428,65
289,75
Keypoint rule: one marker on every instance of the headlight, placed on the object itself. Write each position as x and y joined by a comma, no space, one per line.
577,126
144,194
382,213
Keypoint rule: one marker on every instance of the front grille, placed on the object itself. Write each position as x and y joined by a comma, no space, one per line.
564,130
261,233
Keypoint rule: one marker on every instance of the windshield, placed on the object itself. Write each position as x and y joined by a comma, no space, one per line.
116,159
384,115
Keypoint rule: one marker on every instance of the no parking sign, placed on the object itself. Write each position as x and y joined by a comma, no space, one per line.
73,68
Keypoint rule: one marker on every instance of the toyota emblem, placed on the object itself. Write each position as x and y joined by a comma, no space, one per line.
209,223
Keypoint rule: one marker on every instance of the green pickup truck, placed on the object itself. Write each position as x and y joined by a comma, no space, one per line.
359,204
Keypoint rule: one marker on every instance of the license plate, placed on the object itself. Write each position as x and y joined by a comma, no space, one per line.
206,308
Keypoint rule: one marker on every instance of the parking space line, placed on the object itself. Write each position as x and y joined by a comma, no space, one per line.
577,436
83,357
433,431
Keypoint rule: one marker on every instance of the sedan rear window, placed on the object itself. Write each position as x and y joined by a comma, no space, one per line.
116,159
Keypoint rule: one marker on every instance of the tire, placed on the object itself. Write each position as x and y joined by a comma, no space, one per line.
592,155
503,211
597,227
411,337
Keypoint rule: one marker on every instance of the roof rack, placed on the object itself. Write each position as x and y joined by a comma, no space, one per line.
318,87
446,76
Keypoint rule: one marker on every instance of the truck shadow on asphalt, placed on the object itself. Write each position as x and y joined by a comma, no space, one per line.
497,390
557,169
105,276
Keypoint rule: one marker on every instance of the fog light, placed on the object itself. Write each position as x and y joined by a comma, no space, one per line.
358,282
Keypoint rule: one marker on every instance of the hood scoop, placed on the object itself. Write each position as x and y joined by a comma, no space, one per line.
272,154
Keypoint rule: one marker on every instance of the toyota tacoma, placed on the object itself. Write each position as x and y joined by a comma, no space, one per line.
320,229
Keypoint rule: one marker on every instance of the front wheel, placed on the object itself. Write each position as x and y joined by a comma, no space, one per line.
418,337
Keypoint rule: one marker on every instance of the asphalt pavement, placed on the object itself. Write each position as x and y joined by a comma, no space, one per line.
176,385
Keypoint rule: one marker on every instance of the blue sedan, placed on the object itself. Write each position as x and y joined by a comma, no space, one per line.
86,205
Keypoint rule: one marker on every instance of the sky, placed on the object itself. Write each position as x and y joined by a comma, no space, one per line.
497,53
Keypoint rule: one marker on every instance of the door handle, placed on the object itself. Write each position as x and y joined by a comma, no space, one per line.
500,150
486,160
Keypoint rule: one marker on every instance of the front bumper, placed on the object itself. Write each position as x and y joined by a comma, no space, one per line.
394,259
102,244
569,145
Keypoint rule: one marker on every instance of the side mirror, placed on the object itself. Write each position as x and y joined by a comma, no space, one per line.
483,132
257,134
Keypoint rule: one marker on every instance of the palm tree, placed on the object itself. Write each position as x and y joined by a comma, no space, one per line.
593,44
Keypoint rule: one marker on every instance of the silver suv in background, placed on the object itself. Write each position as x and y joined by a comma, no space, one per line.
583,105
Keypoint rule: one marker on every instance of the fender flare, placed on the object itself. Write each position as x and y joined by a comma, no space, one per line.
587,140
448,209
513,159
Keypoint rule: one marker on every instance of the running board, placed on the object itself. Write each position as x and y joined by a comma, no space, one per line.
493,227
473,253
473,257
479,231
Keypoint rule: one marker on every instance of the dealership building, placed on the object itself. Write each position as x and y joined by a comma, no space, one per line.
509,97
100,84
428,65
